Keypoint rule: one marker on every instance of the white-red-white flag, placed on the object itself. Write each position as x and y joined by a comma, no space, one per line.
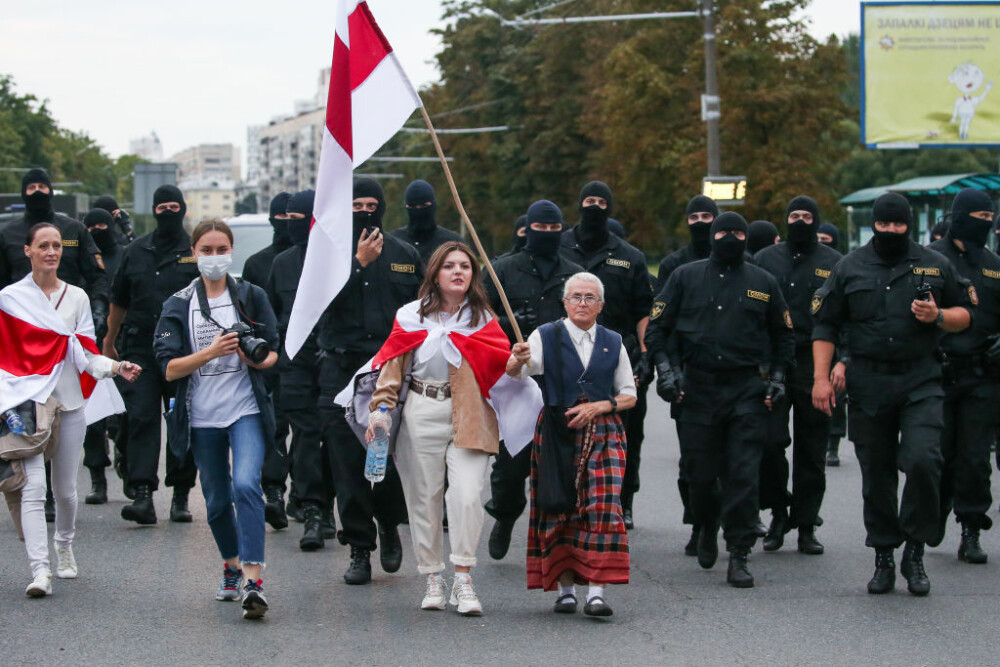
369,100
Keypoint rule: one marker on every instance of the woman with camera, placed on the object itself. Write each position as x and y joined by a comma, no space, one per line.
47,349
205,342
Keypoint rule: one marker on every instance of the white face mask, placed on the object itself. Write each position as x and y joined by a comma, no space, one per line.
214,267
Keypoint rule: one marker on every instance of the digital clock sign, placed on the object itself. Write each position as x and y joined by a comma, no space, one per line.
725,190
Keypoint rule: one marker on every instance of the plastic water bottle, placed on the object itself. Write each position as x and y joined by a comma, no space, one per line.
14,422
378,448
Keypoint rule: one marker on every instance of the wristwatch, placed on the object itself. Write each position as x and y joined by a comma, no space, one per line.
614,405
940,317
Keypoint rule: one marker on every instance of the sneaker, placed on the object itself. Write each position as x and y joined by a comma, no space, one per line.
464,596
254,603
41,586
66,564
229,587
434,597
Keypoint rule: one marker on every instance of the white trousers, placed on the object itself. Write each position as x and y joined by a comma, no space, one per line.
426,456
65,466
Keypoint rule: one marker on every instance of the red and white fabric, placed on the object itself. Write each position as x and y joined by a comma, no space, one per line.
35,343
369,100
484,347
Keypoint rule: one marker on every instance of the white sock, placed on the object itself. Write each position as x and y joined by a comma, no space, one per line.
594,592
567,590
462,576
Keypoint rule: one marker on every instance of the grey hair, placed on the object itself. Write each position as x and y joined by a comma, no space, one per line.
586,277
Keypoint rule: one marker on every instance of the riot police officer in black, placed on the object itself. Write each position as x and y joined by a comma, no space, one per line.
385,274
721,335
533,280
628,297
970,384
421,230
894,297
154,267
801,265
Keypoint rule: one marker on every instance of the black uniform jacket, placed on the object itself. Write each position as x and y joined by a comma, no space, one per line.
426,244
981,268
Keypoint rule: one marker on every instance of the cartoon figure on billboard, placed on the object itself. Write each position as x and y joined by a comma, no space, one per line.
967,78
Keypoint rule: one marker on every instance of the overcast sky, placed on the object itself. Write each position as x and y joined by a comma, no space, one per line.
201,71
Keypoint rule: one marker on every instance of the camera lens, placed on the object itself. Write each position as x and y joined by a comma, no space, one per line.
255,348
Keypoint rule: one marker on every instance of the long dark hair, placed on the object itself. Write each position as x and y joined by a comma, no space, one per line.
430,293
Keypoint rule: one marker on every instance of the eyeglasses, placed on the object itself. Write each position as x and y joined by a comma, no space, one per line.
577,299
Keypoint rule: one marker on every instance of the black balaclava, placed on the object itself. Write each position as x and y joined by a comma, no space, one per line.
107,202
965,228
365,186
37,205
519,241
298,228
169,225
592,232
701,232
543,246
940,230
760,234
421,220
616,228
728,250
104,238
279,206
831,229
891,207
802,236
996,233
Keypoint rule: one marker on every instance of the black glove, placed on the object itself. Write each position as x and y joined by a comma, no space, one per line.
776,388
125,222
100,324
644,370
527,318
669,382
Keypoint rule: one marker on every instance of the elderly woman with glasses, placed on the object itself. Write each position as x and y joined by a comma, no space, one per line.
577,535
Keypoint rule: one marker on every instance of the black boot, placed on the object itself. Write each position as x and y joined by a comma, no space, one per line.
691,548
500,539
312,534
969,549
808,544
328,524
833,452
884,579
274,508
98,488
708,546
626,499
911,566
739,575
390,549
775,537
179,512
141,510
294,510
360,571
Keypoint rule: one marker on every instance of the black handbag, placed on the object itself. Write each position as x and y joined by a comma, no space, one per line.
555,491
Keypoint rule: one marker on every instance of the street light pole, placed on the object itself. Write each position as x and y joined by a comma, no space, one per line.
710,112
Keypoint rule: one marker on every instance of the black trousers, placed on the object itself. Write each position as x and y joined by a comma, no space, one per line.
970,416
895,422
721,451
276,467
145,401
838,422
635,433
507,485
95,446
359,501
312,477
811,429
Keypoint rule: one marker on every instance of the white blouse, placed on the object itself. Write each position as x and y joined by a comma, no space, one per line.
73,309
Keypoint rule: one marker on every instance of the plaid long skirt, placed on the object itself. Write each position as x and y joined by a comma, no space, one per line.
591,541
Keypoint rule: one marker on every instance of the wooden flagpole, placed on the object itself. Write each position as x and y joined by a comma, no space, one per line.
468,224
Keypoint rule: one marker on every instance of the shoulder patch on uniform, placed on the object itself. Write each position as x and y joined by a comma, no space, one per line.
760,296
658,307
621,263
788,319
822,273
100,260
70,243
927,271
817,303
187,260
403,268
973,297
991,274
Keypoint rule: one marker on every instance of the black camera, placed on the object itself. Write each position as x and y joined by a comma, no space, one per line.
254,348
923,291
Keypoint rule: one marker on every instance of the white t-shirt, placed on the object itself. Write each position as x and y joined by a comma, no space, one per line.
220,390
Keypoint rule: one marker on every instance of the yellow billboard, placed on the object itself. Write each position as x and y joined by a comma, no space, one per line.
928,70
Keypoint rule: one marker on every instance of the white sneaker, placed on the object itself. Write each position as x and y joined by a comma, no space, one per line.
434,597
41,586
463,595
65,563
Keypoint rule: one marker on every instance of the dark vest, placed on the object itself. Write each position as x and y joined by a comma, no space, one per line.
596,382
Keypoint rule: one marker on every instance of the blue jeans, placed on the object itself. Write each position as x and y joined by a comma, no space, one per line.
240,533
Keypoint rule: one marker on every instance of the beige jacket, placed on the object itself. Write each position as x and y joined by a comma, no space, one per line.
474,421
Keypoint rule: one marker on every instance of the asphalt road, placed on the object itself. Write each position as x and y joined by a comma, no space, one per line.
146,596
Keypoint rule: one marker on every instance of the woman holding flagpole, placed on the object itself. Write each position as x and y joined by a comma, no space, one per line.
450,345
57,356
